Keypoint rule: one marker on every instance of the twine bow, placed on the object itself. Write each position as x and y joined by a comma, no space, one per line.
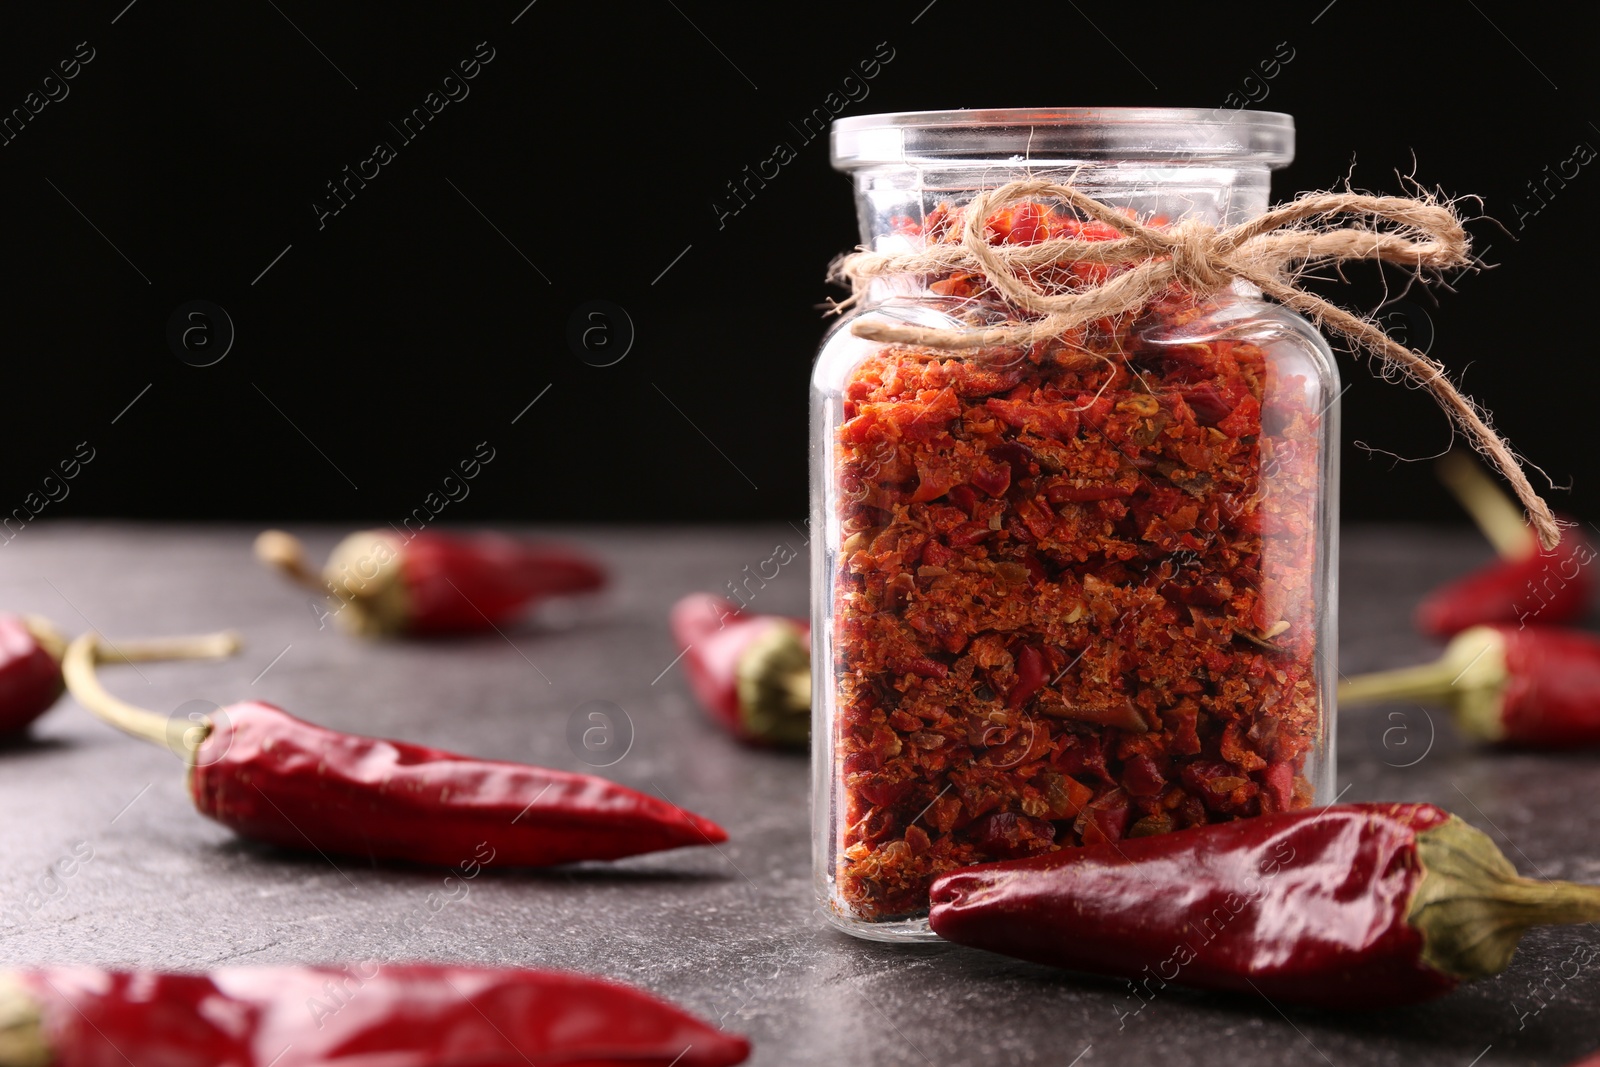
1265,251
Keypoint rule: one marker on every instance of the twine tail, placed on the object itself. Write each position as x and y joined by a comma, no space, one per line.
1431,375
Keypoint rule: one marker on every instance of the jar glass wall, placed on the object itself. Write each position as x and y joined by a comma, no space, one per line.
1077,590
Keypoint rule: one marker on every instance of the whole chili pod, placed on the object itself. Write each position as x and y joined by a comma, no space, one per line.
271,777
1351,906
393,1015
432,583
30,670
1537,687
751,672
1526,584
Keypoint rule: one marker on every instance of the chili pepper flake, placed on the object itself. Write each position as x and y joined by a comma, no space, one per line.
1074,601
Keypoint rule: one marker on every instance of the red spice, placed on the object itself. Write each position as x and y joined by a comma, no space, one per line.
1349,906
1073,597
404,1015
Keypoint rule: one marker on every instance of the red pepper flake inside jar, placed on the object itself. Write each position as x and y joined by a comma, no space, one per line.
1069,611
1076,589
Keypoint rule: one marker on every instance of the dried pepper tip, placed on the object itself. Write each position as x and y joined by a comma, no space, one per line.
181,736
699,615
1470,679
774,686
22,1040
1472,907
1494,512
30,670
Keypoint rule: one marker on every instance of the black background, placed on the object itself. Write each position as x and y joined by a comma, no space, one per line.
379,350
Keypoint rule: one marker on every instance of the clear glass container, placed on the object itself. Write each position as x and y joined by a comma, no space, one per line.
1075,591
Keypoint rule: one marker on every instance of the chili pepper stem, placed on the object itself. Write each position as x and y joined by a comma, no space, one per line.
22,1042
365,573
797,685
287,553
1472,907
47,635
77,667
1469,679
774,684
1428,681
1500,520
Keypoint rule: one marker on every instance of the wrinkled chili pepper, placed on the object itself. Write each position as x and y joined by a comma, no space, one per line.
271,777
1352,906
751,672
432,583
1526,584
1536,688
30,670
365,1015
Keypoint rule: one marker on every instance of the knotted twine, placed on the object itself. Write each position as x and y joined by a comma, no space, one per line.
1268,252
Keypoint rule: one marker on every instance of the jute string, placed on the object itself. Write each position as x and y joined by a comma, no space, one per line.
1267,251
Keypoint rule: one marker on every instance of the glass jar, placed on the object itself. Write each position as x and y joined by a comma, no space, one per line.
1073,591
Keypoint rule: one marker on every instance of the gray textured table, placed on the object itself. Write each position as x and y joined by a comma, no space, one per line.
730,933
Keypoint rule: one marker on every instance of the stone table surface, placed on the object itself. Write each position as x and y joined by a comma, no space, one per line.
731,933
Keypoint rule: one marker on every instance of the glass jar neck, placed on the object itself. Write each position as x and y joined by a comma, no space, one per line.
1165,191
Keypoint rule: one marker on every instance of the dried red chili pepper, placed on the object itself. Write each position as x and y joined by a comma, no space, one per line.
1526,584
269,776
1075,593
30,670
1537,687
397,1015
751,672
432,583
1357,905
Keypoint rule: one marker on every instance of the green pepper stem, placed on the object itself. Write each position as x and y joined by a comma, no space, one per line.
1473,666
1430,682
773,681
77,667
1555,903
1500,520
1469,679
287,554
1472,907
798,685
47,635
22,1036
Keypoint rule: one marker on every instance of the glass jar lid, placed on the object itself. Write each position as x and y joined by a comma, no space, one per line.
1155,134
